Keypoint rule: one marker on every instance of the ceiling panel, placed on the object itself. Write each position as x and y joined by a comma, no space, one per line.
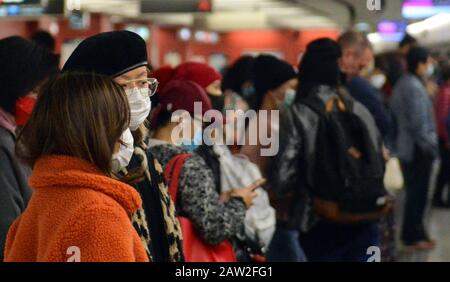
391,11
226,15
125,8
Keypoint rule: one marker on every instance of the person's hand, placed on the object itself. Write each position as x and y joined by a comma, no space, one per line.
387,209
386,154
247,194
327,209
330,210
432,87
225,197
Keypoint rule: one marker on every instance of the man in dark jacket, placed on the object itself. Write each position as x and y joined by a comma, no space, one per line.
357,53
416,143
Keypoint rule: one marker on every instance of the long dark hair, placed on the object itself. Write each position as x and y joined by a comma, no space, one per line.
319,66
239,73
81,115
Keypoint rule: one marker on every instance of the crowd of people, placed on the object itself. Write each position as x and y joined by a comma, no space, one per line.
108,159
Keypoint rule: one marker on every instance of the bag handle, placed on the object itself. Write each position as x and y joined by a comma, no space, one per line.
172,173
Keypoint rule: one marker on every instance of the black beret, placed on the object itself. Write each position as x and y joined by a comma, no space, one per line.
110,53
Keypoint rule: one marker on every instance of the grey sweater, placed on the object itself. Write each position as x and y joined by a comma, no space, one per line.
14,190
415,124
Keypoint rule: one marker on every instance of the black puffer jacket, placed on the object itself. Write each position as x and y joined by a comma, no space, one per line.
292,165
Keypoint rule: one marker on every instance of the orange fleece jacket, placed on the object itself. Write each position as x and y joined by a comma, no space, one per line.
75,205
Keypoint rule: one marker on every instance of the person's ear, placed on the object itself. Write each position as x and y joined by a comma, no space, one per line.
214,88
278,94
341,63
117,146
421,67
271,94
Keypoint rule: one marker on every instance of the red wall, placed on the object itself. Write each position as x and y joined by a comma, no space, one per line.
233,44
98,23
21,28
66,33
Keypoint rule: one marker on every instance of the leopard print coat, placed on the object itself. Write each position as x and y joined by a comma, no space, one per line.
140,220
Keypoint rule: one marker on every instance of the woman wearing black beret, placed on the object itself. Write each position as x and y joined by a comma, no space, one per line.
123,56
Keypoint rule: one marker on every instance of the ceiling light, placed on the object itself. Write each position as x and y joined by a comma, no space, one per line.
184,34
429,24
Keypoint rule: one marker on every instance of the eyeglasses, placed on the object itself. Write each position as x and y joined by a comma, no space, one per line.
150,83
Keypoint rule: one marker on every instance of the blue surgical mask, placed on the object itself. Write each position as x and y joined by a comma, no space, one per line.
247,91
192,145
430,71
289,97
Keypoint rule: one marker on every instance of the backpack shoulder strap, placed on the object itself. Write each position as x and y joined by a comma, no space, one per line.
346,98
315,104
172,174
342,101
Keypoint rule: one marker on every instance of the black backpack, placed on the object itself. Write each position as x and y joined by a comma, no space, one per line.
346,167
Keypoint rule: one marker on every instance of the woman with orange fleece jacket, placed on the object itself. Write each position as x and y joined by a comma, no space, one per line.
77,211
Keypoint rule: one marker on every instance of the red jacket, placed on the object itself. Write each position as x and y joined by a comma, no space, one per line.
75,212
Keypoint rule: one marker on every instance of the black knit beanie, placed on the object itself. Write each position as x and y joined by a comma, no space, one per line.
110,53
270,73
320,63
23,66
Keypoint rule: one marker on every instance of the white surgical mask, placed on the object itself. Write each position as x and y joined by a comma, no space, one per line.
378,80
140,106
430,71
122,158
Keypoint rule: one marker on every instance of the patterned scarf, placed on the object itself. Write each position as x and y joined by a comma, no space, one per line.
172,226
